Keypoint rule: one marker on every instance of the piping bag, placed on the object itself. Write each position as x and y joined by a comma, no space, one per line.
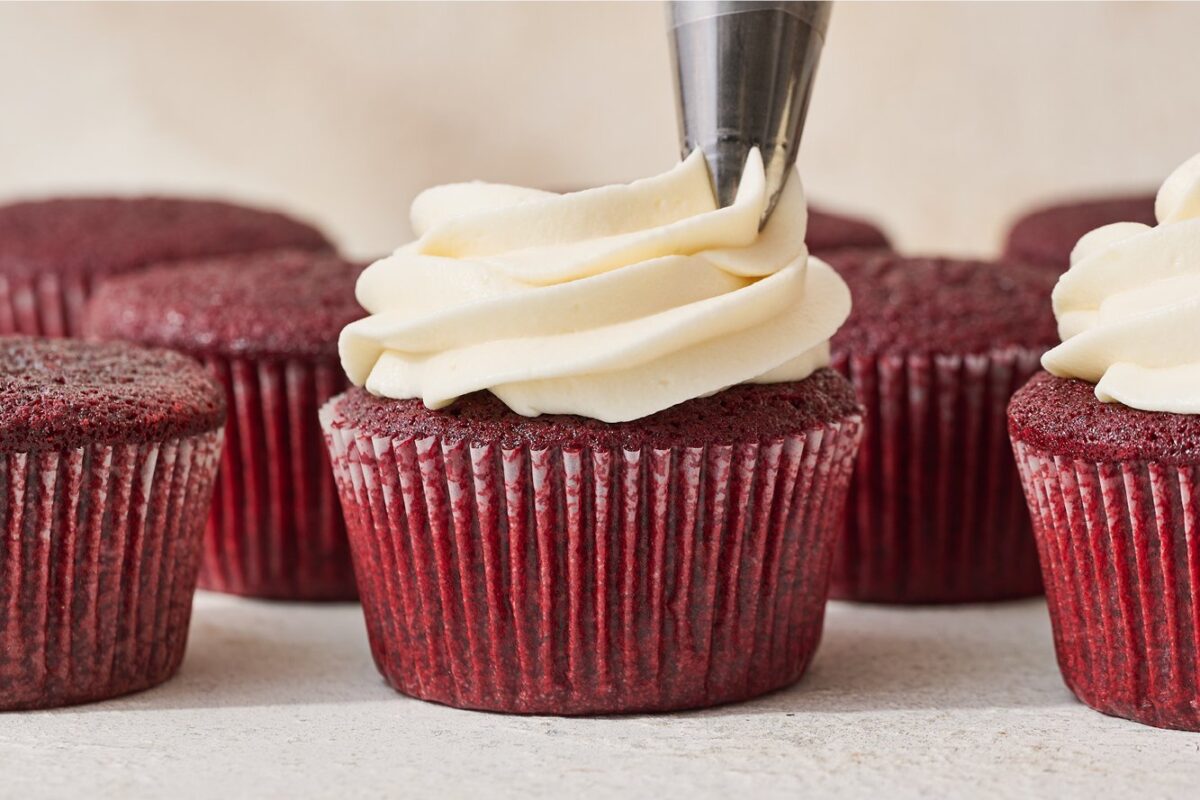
744,73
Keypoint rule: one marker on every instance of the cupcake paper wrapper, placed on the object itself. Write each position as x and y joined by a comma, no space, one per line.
47,305
936,513
98,567
590,581
1120,550
276,529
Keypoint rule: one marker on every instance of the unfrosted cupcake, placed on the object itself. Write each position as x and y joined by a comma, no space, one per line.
935,347
1046,236
266,325
1109,449
829,232
554,503
54,253
107,457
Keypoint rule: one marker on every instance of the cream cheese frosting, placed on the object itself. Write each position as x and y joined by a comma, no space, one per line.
1128,309
611,303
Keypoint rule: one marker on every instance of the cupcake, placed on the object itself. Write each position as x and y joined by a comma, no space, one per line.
54,253
598,464
107,458
1108,442
935,347
829,232
1045,236
266,325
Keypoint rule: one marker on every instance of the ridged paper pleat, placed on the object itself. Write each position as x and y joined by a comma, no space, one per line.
1121,559
43,305
276,530
100,553
935,511
592,580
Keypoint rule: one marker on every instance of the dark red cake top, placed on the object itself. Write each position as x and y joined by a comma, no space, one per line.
942,305
828,231
109,235
1062,416
744,413
65,393
279,303
1046,236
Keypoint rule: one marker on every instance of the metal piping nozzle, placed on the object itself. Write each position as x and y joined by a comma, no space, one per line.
743,74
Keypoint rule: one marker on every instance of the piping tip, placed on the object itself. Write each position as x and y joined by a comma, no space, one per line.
744,73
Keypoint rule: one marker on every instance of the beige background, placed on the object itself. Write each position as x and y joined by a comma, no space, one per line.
942,120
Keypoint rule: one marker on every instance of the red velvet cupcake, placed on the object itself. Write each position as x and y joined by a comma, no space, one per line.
829,232
54,253
1109,450
266,325
1046,236
935,348
107,458
562,565
597,464
1114,493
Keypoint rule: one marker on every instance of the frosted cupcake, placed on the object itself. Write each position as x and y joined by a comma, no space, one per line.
599,462
1108,445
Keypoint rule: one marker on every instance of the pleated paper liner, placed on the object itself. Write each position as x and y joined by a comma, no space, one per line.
276,530
98,568
936,513
43,305
1121,557
592,580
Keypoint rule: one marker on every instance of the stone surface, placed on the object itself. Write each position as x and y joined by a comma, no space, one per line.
283,701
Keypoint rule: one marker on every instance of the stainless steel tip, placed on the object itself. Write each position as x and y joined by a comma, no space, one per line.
744,73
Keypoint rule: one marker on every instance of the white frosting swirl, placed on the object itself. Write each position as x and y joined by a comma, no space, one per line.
1129,307
611,303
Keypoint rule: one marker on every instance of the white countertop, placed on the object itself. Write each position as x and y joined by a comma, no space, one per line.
279,700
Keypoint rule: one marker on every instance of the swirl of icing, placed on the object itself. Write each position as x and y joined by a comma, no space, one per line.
1129,307
611,303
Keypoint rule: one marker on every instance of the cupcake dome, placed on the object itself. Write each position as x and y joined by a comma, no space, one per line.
65,395
558,564
266,324
935,347
1062,416
107,458
1046,236
274,304
54,253
828,232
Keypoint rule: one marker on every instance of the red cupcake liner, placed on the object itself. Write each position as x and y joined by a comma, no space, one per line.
592,581
98,568
276,530
1120,550
936,513
43,305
